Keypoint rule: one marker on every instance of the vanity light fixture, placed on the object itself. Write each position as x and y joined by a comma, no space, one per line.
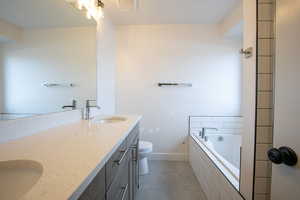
93,8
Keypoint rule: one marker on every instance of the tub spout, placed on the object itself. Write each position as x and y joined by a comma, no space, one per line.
202,133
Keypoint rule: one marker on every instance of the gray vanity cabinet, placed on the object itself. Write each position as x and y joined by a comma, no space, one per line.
119,179
96,189
120,187
116,163
133,139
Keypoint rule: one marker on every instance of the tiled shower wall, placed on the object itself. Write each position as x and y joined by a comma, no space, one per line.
264,119
225,125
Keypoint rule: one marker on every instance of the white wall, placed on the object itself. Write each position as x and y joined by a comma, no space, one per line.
9,32
59,55
1,81
232,25
196,54
106,66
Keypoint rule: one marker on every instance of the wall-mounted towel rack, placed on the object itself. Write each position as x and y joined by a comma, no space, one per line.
175,84
59,84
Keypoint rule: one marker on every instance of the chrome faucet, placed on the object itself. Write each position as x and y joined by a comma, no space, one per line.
88,108
202,133
73,106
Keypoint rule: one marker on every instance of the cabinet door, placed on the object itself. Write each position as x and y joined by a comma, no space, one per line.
114,164
135,168
96,189
131,175
120,188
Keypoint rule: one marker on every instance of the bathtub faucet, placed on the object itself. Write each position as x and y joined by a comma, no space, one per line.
202,133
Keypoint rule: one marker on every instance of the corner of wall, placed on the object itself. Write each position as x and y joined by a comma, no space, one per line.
233,22
106,65
10,32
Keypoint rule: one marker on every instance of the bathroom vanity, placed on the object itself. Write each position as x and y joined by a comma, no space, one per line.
119,179
82,160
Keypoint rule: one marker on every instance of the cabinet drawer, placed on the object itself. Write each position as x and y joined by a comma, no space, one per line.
120,188
114,164
96,189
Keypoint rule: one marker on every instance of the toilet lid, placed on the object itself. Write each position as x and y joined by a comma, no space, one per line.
145,146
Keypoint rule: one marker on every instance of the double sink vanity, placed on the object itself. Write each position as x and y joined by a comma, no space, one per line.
85,160
51,82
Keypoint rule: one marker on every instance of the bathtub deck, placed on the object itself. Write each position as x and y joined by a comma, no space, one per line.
170,180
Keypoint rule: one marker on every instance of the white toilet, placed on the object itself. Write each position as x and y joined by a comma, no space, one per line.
145,148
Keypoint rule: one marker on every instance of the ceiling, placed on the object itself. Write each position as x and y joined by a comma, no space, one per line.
171,11
42,14
59,13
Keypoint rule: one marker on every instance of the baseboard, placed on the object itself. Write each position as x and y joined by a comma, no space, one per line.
169,156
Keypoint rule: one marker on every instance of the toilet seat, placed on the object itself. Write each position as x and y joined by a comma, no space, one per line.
145,147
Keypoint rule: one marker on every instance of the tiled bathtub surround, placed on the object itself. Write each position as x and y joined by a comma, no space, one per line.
221,145
225,125
212,180
264,118
226,140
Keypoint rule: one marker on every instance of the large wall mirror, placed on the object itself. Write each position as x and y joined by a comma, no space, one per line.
47,57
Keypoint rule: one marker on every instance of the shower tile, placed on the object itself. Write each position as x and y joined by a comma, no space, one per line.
263,169
264,99
265,82
265,29
264,130
265,65
265,1
264,117
265,47
261,152
264,135
262,185
265,11
262,197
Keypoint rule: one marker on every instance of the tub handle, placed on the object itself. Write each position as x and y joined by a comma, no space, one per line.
203,131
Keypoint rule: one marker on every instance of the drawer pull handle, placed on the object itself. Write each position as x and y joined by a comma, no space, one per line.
119,162
124,192
135,153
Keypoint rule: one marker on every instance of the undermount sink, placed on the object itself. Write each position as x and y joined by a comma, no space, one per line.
17,177
107,120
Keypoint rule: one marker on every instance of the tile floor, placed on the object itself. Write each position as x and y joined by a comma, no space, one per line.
170,180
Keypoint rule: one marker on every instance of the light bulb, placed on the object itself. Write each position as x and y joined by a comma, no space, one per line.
100,13
88,15
80,4
92,7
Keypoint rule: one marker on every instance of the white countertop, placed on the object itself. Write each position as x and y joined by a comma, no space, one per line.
68,154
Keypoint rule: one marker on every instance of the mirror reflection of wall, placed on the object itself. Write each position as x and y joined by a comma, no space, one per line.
40,51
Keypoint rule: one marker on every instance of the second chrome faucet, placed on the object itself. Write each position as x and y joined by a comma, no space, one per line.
88,108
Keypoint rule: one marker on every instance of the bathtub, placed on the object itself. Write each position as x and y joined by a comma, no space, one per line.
224,152
226,147
223,145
